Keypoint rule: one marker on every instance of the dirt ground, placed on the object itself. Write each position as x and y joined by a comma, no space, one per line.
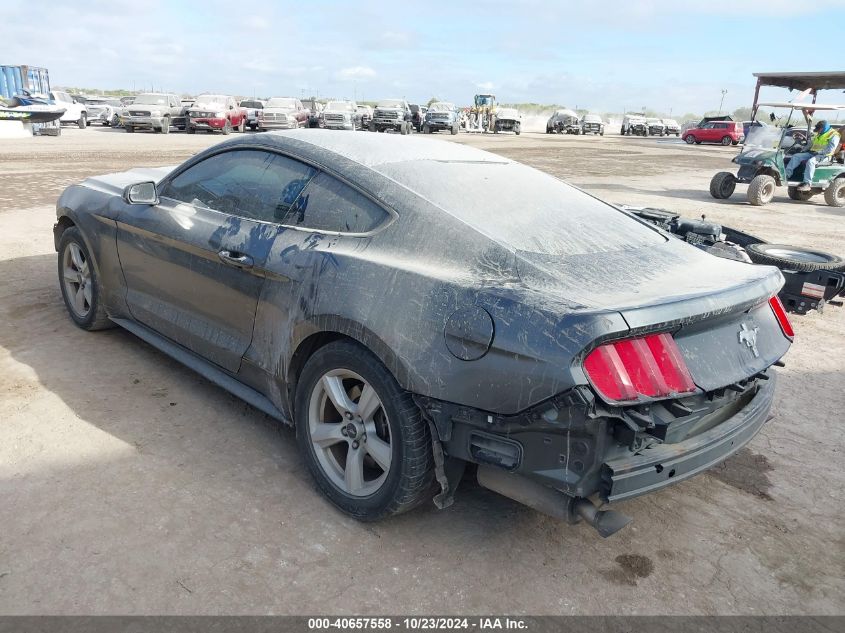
128,484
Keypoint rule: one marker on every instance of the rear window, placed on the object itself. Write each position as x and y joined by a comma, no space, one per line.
523,208
329,205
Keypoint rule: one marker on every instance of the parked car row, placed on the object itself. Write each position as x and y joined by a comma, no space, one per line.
568,122
638,124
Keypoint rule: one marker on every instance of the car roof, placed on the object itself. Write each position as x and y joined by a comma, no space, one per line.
372,150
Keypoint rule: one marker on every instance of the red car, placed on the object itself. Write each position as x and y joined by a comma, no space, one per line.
724,132
216,113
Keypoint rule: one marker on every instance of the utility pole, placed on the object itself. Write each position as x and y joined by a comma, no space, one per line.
722,102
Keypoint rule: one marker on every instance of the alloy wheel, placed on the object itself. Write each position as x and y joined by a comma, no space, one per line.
76,277
349,432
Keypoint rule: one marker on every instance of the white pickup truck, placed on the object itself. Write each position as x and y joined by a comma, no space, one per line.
74,112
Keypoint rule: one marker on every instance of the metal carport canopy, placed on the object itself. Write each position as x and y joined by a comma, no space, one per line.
803,81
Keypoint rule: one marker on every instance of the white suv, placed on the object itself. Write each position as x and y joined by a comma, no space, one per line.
74,112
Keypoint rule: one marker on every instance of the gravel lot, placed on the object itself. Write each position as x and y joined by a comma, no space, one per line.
128,484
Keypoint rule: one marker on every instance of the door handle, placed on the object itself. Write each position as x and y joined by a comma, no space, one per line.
235,259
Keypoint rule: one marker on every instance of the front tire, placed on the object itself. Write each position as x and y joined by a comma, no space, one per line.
165,126
361,436
227,127
79,283
722,185
689,139
761,190
83,121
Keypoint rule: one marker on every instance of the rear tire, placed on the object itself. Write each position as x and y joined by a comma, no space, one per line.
722,185
242,126
395,435
79,283
129,128
191,129
834,195
779,255
761,190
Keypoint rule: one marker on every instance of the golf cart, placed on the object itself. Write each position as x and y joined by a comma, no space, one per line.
767,150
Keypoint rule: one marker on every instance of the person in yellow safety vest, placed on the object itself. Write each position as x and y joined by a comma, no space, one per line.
825,142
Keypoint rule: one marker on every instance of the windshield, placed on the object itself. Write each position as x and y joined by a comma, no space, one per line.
252,104
211,99
279,102
484,100
344,106
592,118
767,132
151,100
441,106
391,103
98,102
671,122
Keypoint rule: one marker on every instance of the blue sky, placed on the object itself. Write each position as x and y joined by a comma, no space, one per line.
605,56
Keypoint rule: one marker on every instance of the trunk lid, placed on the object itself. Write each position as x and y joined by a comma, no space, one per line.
717,309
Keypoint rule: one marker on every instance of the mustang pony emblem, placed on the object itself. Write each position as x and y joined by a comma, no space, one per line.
749,337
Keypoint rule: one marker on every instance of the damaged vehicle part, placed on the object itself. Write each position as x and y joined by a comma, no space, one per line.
572,346
812,278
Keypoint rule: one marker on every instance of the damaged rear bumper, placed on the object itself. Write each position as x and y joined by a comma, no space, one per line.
572,445
661,465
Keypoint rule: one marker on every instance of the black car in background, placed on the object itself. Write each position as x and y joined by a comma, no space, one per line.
564,346
417,116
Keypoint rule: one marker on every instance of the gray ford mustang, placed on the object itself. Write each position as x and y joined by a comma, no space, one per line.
414,305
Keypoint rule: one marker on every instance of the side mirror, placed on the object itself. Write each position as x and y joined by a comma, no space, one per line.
772,117
141,193
231,107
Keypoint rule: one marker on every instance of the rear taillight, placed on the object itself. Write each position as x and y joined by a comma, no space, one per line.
780,315
639,369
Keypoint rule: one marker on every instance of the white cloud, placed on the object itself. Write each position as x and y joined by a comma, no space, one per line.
356,72
485,85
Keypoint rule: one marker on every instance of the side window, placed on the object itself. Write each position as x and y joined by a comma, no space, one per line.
329,205
722,126
250,184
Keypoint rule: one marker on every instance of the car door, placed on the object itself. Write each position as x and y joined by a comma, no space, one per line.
194,264
313,268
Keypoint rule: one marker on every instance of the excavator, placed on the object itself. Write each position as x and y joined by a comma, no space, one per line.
482,114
